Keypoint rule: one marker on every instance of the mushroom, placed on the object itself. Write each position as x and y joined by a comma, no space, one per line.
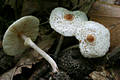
94,39
63,21
20,35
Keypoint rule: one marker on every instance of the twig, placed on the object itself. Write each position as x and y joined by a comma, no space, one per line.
44,23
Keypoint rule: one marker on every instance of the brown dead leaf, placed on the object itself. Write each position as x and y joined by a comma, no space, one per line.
108,1
7,75
14,71
105,10
100,75
26,61
108,15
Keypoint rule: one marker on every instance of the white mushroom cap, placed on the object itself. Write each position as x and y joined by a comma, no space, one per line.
94,39
12,43
63,21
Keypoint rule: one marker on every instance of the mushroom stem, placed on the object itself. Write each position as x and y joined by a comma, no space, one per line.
29,42
58,46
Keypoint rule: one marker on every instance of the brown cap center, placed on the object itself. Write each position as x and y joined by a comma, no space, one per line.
90,38
69,17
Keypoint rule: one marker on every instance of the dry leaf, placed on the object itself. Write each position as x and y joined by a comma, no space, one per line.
14,71
108,1
108,15
100,75
105,10
8,75
26,61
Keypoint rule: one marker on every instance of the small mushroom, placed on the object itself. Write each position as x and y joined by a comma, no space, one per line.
94,39
20,35
63,21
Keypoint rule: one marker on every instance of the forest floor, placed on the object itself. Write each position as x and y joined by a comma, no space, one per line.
72,65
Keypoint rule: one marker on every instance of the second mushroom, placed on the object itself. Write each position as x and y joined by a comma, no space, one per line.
63,21
94,39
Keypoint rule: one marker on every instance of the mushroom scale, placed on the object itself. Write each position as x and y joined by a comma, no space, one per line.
94,39
63,21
